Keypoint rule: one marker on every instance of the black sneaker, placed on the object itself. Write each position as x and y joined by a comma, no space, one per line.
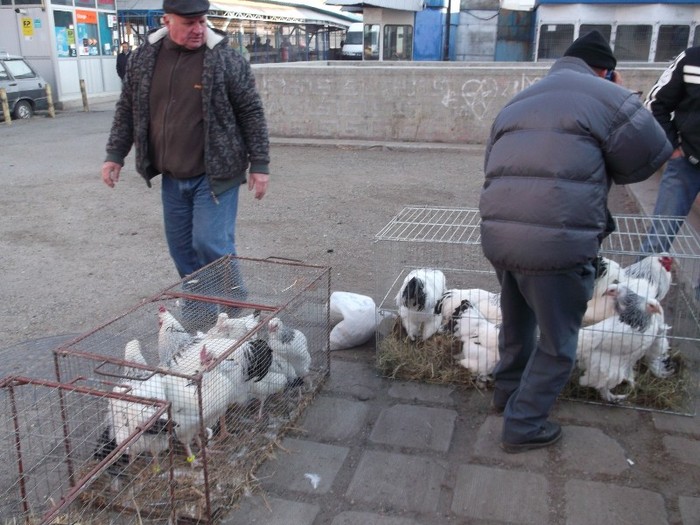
549,434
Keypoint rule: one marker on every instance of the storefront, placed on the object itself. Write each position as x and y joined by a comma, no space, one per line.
74,42
67,41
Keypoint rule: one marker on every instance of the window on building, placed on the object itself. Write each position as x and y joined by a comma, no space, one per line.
106,4
85,3
603,29
633,42
109,35
398,43
554,39
88,43
672,40
65,34
371,42
62,2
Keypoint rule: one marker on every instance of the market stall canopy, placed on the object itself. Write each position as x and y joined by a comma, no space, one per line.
401,5
285,12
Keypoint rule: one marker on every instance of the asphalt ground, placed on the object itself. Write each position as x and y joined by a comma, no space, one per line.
75,254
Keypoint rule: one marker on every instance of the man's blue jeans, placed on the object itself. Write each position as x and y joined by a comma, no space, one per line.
199,228
532,372
680,185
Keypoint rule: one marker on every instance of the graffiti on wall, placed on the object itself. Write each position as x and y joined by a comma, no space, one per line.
392,104
480,97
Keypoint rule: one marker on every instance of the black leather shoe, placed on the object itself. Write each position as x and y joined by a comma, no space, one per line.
549,434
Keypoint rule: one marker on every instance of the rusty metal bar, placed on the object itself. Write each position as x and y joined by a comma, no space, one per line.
18,448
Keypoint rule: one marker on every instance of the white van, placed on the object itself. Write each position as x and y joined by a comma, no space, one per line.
352,46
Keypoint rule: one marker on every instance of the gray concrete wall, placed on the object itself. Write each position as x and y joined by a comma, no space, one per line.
400,101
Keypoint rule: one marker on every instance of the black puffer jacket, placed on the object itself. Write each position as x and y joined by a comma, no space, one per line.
675,102
553,153
234,121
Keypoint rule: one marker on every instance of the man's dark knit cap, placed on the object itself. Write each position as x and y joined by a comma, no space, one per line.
594,50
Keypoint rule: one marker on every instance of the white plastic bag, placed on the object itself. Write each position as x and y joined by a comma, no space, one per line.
355,316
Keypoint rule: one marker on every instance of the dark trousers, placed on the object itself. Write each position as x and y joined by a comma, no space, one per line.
532,371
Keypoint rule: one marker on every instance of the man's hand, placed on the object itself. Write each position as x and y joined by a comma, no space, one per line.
110,173
678,152
258,182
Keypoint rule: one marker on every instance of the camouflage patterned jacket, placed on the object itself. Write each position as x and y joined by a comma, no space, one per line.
234,120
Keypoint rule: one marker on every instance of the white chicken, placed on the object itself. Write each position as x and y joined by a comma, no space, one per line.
656,269
234,327
221,386
488,303
125,417
658,356
479,339
172,337
188,359
416,300
607,351
290,346
133,354
601,306
273,382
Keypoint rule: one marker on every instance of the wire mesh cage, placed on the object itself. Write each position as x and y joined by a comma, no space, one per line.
239,349
425,251
63,465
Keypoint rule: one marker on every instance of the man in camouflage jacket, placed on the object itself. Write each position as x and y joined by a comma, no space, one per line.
190,107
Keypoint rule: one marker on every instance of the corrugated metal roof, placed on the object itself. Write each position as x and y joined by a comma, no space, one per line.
401,5
288,12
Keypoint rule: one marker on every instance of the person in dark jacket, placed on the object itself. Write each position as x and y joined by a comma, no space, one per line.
553,153
122,59
190,107
675,103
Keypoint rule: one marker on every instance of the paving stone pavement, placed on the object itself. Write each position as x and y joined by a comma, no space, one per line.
376,451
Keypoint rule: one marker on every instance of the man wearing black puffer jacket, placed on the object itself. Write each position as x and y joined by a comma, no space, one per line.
675,102
554,151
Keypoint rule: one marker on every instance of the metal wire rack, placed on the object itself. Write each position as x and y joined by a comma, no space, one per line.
235,351
423,224
55,436
448,239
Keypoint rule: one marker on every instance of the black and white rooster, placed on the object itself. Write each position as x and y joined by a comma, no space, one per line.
608,350
656,269
221,386
479,339
649,277
488,303
416,300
